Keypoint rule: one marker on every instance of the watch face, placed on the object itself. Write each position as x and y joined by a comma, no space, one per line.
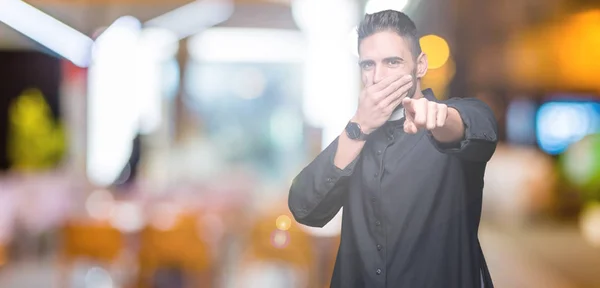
353,130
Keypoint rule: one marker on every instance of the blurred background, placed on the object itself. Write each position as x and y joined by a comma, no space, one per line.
152,143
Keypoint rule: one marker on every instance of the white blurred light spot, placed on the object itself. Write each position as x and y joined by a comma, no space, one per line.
158,43
165,216
353,40
374,6
330,72
280,239
46,30
248,45
314,15
125,93
98,278
113,116
100,204
590,224
127,217
194,17
250,83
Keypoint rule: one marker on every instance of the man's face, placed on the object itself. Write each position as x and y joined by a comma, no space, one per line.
386,53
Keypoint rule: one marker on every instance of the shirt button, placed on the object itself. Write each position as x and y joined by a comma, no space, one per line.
329,180
376,174
378,272
379,247
378,223
391,138
373,199
379,152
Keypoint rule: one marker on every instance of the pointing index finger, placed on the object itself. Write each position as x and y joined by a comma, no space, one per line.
407,103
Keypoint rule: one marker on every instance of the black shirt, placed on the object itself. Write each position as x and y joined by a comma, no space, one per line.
411,204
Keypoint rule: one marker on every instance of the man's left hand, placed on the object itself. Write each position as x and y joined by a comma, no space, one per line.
423,114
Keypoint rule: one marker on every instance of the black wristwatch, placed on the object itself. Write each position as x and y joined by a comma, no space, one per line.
354,132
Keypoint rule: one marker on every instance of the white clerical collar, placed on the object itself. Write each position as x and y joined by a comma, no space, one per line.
397,115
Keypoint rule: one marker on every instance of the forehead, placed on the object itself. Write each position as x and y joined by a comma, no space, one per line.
384,44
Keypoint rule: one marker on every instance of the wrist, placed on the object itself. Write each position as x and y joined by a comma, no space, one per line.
364,128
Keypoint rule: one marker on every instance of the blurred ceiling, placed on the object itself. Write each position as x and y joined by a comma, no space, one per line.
87,16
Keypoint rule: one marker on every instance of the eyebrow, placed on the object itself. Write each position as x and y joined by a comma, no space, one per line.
394,58
387,59
363,62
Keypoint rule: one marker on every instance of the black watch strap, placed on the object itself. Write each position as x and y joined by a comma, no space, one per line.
354,131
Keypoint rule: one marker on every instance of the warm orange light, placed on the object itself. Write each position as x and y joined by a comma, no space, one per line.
437,50
577,48
283,222
439,79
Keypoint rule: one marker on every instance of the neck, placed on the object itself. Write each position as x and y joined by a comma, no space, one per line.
418,93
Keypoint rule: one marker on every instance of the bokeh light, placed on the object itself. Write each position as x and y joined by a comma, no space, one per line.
439,79
280,239
581,163
283,222
437,50
127,217
374,6
590,224
559,124
100,204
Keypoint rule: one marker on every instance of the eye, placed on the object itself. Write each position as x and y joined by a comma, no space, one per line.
393,62
366,65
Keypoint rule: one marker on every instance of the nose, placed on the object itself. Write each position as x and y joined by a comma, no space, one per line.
379,74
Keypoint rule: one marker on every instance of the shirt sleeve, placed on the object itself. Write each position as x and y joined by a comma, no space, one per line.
317,193
481,131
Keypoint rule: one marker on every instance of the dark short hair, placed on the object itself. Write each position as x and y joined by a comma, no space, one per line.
390,20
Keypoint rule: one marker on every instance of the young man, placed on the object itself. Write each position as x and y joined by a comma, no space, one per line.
408,170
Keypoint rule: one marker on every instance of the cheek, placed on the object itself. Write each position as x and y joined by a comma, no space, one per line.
367,78
404,69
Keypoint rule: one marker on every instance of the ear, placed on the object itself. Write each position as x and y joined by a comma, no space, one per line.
422,65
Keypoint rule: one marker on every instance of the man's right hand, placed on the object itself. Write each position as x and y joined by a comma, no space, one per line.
378,101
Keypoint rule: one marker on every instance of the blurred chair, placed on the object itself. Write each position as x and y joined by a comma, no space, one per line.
177,248
279,251
89,240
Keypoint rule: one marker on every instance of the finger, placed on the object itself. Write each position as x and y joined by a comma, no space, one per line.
391,107
400,83
395,96
410,128
376,87
432,109
420,110
407,103
442,115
